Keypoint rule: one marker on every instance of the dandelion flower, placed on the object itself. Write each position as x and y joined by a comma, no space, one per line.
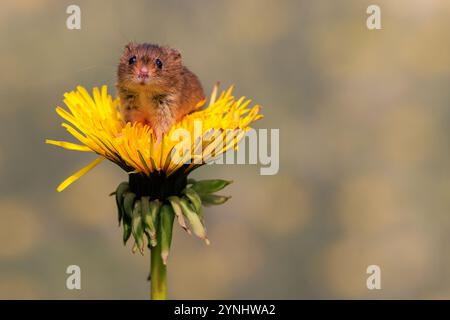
158,190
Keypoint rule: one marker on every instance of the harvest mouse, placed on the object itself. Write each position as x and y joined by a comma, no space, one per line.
155,88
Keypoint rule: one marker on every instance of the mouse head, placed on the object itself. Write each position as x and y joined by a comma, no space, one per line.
149,65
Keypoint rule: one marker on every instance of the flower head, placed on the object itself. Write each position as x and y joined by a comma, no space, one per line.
197,139
158,191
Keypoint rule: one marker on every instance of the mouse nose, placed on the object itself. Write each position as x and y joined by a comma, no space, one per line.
143,73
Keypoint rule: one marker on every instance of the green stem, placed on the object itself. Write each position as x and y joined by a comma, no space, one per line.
158,275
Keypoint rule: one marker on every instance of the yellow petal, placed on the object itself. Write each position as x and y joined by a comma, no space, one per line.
68,145
78,174
214,94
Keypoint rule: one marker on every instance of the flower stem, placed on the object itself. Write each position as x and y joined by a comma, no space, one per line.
158,272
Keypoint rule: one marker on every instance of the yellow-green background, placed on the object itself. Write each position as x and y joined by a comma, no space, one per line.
364,154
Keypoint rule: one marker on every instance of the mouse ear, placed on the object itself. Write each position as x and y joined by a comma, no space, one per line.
130,46
174,53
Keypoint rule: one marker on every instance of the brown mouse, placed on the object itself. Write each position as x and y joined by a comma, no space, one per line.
155,88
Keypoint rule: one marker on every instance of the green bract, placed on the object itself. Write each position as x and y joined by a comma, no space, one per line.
149,218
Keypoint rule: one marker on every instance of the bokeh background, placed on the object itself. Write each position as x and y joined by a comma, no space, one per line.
364,155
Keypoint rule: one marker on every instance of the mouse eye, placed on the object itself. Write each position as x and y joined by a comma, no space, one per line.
158,63
132,60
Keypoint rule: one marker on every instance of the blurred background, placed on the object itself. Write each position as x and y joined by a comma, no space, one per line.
364,155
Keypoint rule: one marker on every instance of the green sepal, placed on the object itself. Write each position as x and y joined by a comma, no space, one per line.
128,203
167,216
194,220
136,226
209,186
175,203
194,198
155,207
213,199
150,210
121,189
126,229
